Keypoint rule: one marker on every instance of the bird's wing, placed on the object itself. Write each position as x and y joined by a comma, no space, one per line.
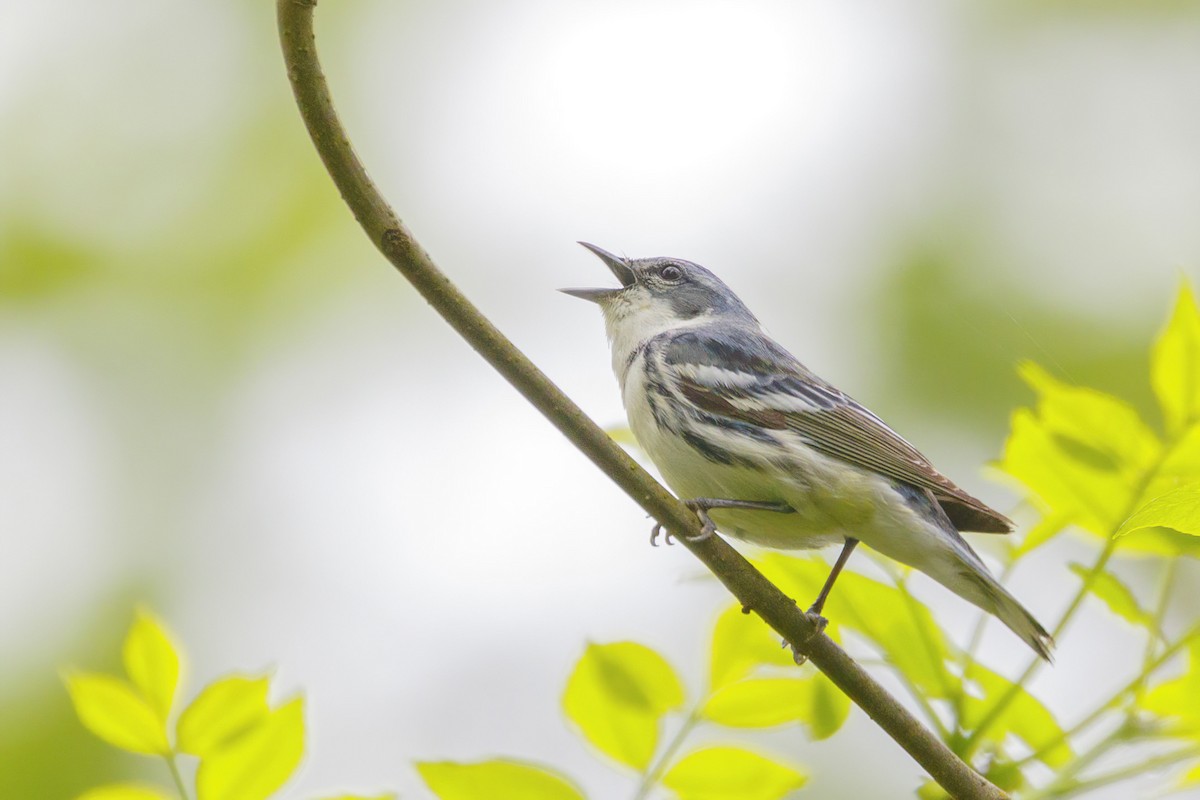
745,376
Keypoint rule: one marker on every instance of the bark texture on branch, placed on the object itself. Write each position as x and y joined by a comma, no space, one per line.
746,583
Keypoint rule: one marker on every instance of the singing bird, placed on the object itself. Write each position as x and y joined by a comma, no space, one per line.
767,452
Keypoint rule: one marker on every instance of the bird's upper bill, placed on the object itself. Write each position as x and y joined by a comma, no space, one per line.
619,266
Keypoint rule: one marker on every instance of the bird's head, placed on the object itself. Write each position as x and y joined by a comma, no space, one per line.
658,294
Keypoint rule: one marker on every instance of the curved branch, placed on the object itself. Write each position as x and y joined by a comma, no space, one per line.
738,575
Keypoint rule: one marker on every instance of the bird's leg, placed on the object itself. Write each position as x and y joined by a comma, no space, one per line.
702,505
848,548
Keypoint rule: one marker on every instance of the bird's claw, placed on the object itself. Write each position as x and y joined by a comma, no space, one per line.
701,510
820,623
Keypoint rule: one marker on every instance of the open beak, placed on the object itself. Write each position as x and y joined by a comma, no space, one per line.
617,265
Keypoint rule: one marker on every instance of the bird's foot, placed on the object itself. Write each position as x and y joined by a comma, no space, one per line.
819,623
702,505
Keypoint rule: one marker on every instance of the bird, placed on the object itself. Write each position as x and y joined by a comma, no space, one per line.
763,450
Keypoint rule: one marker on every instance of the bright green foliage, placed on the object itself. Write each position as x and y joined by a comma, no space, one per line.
500,779
125,791
1175,365
113,710
903,629
1025,717
767,702
617,696
152,663
1082,453
247,750
1178,700
387,796
253,766
731,773
1178,509
740,644
1116,595
224,710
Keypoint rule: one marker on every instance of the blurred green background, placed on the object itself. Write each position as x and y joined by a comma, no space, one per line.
216,398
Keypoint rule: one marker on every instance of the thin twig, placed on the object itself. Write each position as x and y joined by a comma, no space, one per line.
752,590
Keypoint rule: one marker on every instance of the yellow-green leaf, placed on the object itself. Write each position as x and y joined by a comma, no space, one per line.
731,773
254,765
760,702
1175,699
766,702
224,710
1046,529
830,709
114,711
740,643
1175,364
1178,510
501,779
1116,595
125,791
1026,717
617,695
622,435
386,796
152,663
900,626
1083,454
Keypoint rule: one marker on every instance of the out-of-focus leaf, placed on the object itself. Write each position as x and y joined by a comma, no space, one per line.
766,702
1178,509
224,710
760,702
740,643
152,663
1116,595
115,712
1175,700
622,435
125,791
1190,778
385,796
830,708
931,791
617,695
1046,529
1175,364
1025,718
1083,453
730,773
901,627
501,779
255,765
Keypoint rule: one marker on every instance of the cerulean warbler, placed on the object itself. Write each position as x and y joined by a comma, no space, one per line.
766,451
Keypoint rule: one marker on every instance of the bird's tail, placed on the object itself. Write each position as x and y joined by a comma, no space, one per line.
986,592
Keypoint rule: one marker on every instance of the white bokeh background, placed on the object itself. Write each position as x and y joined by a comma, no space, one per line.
356,499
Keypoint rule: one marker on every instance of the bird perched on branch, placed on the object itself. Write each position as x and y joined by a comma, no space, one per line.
761,448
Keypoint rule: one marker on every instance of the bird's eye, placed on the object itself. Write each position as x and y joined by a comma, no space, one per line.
670,273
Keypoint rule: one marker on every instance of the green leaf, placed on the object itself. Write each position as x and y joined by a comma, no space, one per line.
760,703
111,708
830,709
386,796
617,695
501,779
254,765
1082,454
1175,699
1175,364
1025,718
1116,595
224,710
152,663
730,773
767,702
622,435
1178,509
126,791
900,626
1046,529
740,643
